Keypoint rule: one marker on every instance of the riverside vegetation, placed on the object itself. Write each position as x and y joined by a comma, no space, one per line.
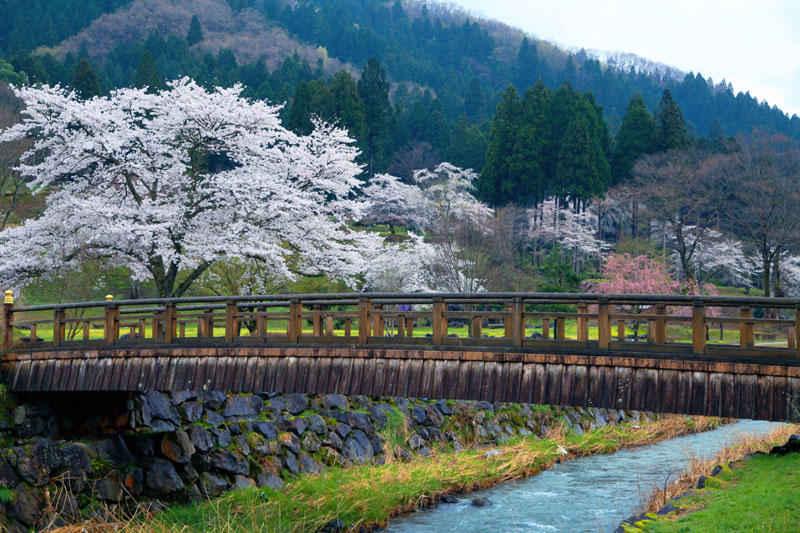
301,462
742,488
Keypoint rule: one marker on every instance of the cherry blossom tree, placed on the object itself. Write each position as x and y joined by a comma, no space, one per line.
169,183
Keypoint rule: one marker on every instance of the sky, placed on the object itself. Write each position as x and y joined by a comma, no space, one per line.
753,44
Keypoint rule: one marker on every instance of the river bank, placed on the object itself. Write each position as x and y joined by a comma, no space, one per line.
367,496
742,488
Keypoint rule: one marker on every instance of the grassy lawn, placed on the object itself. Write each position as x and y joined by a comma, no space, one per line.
763,495
372,494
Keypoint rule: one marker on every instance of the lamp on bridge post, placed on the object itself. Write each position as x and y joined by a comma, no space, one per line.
8,305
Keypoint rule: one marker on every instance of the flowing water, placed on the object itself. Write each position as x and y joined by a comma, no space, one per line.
586,494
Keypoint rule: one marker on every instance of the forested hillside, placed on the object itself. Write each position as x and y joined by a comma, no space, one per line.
445,71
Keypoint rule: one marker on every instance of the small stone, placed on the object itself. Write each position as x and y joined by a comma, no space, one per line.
26,505
415,442
481,502
157,405
109,489
290,463
295,403
212,400
193,411
335,401
297,426
666,510
316,424
268,479
177,447
239,407
290,442
162,478
701,482
337,525
418,414
309,465
717,469
201,439
214,419
212,485
222,435
310,442
226,462
342,429
267,429
449,498
241,482
161,426
183,396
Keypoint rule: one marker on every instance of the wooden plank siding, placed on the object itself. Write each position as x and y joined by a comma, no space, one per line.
693,386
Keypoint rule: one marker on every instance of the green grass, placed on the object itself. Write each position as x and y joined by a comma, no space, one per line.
763,495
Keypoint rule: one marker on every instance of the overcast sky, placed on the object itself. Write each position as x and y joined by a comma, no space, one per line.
754,44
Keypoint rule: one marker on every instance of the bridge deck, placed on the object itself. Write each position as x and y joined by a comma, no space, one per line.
555,349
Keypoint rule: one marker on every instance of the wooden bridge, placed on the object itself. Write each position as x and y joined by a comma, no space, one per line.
721,356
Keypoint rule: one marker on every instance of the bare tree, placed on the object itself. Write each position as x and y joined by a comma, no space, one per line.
673,189
757,190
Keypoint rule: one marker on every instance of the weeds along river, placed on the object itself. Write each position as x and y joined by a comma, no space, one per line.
585,494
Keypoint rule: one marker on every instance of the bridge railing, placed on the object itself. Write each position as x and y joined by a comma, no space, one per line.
584,323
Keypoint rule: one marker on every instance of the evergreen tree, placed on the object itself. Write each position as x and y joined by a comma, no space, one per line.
147,74
195,34
84,80
637,136
528,65
528,161
373,88
576,167
467,145
474,100
672,132
497,176
348,107
299,118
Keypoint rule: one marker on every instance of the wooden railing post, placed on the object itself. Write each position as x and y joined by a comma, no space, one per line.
698,327
477,324
439,321
621,330
746,334
378,325
8,317
329,325
507,322
316,320
603,325
545,328
364,321
295,325
583,326
517,322
170,322
58,326
661,325
797,329
111,328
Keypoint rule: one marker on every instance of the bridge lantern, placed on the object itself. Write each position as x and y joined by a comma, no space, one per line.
9,298
109,297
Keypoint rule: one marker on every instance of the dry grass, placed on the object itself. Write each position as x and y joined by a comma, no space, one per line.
702,467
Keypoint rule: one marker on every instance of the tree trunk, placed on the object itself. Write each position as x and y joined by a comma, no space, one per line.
765,264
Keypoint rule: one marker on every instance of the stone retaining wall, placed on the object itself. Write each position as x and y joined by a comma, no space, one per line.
65,456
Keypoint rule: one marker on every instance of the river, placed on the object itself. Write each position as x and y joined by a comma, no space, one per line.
587,494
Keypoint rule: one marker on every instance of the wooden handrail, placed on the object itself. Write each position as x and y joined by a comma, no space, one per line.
482,319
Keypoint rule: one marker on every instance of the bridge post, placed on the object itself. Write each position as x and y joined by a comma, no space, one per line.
797,329
294,326
439,321
111,329
517,322
364,323
377,321
603,325
317,320
583,329
170,322
698,327
746,335
507,321
58,326
661,325
8,313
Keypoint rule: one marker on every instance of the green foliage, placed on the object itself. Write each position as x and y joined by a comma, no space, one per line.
84,80
6,495
373,88
9,75
672,132
195,34
637,136
147,74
